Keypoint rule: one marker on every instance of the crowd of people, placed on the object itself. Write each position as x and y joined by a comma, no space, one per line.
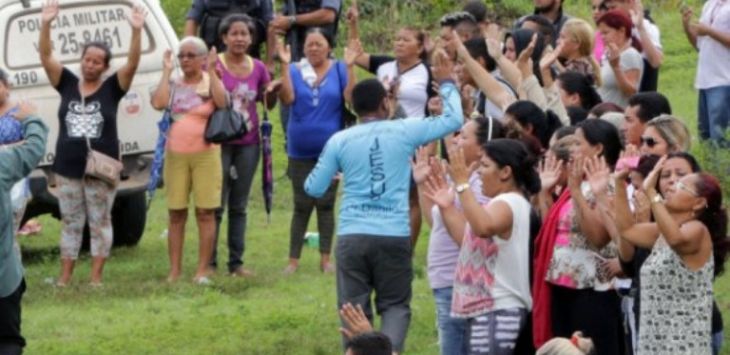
566,214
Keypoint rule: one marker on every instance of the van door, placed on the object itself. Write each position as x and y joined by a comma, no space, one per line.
81,21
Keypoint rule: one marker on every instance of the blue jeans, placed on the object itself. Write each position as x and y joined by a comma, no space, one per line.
452,331
714,113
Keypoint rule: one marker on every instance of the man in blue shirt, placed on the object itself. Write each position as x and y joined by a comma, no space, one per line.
17,162
374,248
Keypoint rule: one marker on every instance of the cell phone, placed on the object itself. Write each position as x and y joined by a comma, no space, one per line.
627,163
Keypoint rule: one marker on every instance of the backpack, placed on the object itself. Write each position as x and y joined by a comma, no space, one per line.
217,10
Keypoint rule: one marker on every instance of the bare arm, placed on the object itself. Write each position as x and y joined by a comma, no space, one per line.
217,90
51,65
689,30
286,93
643,235
191,28
319,17
685,239
161,96
722,37
126,72
653,54
484,80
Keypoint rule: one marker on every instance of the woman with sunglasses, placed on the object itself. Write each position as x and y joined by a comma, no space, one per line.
315,88
663,135
688,242
443,247
192,165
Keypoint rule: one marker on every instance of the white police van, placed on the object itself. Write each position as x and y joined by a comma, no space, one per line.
81,21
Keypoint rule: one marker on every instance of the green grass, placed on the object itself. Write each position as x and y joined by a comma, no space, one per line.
136,312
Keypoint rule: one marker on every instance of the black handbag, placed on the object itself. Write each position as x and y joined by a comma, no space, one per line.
225,125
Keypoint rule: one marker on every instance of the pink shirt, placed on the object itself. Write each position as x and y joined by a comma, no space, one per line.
191,111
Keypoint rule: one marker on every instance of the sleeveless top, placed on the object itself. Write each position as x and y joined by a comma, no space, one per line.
676,304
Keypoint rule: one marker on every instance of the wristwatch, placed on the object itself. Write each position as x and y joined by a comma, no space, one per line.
657,199
292,21
462,187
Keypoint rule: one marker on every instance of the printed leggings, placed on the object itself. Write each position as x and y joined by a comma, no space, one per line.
81,200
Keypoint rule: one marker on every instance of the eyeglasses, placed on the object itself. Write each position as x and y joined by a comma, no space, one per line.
183,56
680,185
649,141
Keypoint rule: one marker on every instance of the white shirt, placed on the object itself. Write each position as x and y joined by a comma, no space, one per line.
412,92
713,62
512,265
609,91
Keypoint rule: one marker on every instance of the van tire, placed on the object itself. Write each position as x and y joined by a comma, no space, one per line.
129,216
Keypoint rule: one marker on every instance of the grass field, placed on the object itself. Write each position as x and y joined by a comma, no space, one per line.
136,312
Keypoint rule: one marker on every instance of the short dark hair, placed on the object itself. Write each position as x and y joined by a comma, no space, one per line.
514,153
477,48
651,104
454,19
371,343
476,8
527,113
229,20
101,45
545,27
576,114
603,133
488,128
578,83
367,96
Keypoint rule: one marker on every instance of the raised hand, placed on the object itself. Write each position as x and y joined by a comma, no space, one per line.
637,14
575,176
551,56
613,54
137,18
642,207
422,166
651,180
461,51
167,61
355,321
598,174
457,168
352,51
442,67
212,58
686,15
494,48
550,170
524,61
284,52
435,107
436,189
25,109
353,13
49,11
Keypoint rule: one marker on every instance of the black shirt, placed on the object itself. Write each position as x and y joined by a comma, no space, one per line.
98,121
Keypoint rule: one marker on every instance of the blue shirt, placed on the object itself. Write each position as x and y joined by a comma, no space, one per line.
374,159
316,113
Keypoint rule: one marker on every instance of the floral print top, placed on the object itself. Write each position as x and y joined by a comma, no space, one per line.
575,263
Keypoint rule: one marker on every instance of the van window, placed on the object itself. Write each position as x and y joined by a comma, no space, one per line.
75,25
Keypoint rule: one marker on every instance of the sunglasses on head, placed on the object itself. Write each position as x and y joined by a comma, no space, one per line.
649,141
